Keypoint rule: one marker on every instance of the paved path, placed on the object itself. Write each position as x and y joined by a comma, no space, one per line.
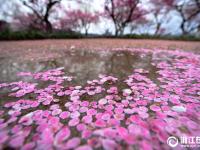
41,49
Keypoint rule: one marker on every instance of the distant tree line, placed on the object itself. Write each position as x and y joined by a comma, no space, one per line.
53,15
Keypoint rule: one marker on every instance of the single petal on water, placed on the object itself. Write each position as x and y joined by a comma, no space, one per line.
62,135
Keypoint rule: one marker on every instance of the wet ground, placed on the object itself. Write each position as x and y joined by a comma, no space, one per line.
84,58
83,64
156,92
48,49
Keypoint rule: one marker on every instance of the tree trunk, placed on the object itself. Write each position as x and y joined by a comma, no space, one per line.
48,26
184,32
116,31
121,30
157,29
86,32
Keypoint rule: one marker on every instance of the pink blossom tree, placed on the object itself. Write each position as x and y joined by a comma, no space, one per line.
24,21
41,10
79,19
188,10
123,13
160,13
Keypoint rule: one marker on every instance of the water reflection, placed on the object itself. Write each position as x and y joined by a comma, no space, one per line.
84,65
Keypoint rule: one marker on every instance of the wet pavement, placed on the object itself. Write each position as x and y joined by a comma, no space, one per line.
122,99
85,65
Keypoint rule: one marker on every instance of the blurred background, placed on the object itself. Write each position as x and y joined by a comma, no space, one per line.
41,19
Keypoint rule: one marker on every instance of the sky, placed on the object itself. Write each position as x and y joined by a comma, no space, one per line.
95,5
105,24
100,28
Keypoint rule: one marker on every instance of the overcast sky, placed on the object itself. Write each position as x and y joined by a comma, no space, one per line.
97,5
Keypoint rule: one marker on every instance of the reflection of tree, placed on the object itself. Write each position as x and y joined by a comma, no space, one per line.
122,63
10,68
84,65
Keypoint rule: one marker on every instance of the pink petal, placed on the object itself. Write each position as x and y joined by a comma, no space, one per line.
106,116
129,111
86,134
75,114
64,115
28,146
103,101
47,136
123,132
91,112
110,133
94,142
62,135
81,127
56,112
119,110
26,120
74,122
155,108
83,109
73,143
84,147
3,137
87,119
100,123
113,122
17,141
109,144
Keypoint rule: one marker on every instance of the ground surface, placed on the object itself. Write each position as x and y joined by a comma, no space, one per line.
83,95
38,49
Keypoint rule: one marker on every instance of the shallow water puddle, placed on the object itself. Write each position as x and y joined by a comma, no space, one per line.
83,64
100,100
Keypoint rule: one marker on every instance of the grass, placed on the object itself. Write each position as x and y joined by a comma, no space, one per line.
32,35
164,37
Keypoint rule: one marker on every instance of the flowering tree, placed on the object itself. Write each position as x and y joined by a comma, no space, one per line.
189,11
123,13
41,10
78,19
27,21
160,13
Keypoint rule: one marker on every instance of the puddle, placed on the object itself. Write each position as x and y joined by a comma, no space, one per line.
84,65
132,105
